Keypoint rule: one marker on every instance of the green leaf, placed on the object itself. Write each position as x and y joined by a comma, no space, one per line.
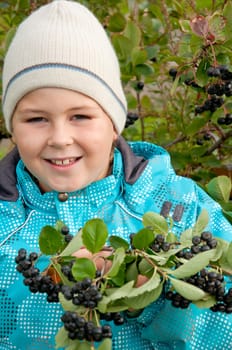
59,224
83,268
196,124
119,279
62,339
171,252
144,70
106,344
133,33
217,24
186,236
50,240
206,302
229,254
9,36
131,101
74,245
227,207
94,235
158,258
138,56
152,283
223,262
24,4
194,265
117,306
143,238
219,249
152,51
117,242
201,74
146,299
185,25
171,237
187,290
156,222
117,22
119,256
144,295
220,188
145,268
146,102
114,295
201,223
84,345
123,47
228,215
132,272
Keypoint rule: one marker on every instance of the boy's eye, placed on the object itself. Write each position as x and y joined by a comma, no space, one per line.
80,117
36,120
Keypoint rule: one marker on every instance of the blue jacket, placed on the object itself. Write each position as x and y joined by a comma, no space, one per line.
142,180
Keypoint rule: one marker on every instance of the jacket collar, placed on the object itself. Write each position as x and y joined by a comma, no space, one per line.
133,167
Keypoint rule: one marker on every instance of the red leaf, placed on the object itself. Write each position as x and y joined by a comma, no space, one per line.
200,26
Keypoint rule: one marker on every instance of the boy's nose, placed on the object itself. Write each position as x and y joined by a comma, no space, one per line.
60,136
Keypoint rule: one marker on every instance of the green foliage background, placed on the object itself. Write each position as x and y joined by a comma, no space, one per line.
150,37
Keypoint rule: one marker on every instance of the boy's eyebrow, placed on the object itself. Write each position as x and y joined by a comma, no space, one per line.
29,110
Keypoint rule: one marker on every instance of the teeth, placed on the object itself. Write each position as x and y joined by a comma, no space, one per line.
62,162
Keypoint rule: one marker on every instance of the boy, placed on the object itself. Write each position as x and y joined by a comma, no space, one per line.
64,105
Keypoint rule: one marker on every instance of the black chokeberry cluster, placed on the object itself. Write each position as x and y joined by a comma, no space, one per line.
173,73
159,244
201,243
211,104
224,302
67,236
219,88
78,328
201,140
140,85
220,71
36,281
177,300
210,282
66,269
192,83
213,283
207,279
83,293
131,119
116,317
226,120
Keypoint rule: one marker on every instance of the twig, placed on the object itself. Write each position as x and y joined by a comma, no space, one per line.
218,143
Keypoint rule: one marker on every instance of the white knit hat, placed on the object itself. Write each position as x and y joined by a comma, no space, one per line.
62,44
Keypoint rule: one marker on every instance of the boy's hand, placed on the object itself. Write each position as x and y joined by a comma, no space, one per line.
102,263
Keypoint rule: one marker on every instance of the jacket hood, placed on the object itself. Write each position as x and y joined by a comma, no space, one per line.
8,189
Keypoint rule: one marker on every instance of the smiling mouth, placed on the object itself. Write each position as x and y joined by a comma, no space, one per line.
63,162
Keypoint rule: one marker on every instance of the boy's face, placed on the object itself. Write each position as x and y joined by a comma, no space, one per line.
64,138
